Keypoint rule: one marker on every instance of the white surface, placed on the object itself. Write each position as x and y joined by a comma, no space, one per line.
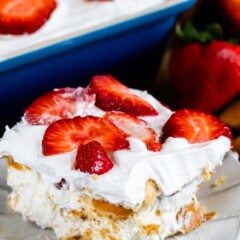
77,17
226,228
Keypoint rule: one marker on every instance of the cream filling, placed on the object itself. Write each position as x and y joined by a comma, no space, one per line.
62,209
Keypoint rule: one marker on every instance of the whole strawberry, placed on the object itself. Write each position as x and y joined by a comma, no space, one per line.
205,73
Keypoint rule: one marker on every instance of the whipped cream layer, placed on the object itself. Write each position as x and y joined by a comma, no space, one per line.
177,164
73,18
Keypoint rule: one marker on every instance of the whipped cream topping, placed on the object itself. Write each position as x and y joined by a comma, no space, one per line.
177,164
73,18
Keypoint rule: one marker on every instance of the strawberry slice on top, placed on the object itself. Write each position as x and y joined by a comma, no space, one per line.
92,158
195,126
137,128
55,105
65,135
111,95
24,16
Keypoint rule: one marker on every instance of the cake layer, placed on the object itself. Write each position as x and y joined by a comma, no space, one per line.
75,215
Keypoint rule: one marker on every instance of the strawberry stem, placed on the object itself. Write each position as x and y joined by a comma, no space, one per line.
189,33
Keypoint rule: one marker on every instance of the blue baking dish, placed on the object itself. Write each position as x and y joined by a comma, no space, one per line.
130,50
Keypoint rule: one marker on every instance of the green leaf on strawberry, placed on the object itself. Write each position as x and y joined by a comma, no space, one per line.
189,33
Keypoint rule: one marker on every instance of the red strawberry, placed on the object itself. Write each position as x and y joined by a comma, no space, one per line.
66,135
136,128
91,158
24,16
112,95
195,126
206,77
52,106
205,74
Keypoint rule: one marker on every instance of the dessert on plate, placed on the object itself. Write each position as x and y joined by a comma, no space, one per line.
111,162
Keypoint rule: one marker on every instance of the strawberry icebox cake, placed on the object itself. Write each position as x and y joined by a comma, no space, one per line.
111,162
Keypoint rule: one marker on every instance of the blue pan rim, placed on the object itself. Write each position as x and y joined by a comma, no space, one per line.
93,36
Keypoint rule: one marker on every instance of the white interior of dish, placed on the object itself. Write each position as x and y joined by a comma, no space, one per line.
77,17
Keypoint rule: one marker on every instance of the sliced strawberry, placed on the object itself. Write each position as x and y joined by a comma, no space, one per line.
24,16
65,135
195,126
112,95
50,107
92,158
55,105
136,128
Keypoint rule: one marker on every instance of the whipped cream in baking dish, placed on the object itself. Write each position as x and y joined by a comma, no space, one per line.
172,168
77,17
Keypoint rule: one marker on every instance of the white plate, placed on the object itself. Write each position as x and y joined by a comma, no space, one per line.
223,198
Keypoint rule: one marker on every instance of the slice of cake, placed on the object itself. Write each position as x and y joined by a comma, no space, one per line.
110,162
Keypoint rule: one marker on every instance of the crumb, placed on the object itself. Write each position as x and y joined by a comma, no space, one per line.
158,213
151,229
206,172
218,182
210,215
